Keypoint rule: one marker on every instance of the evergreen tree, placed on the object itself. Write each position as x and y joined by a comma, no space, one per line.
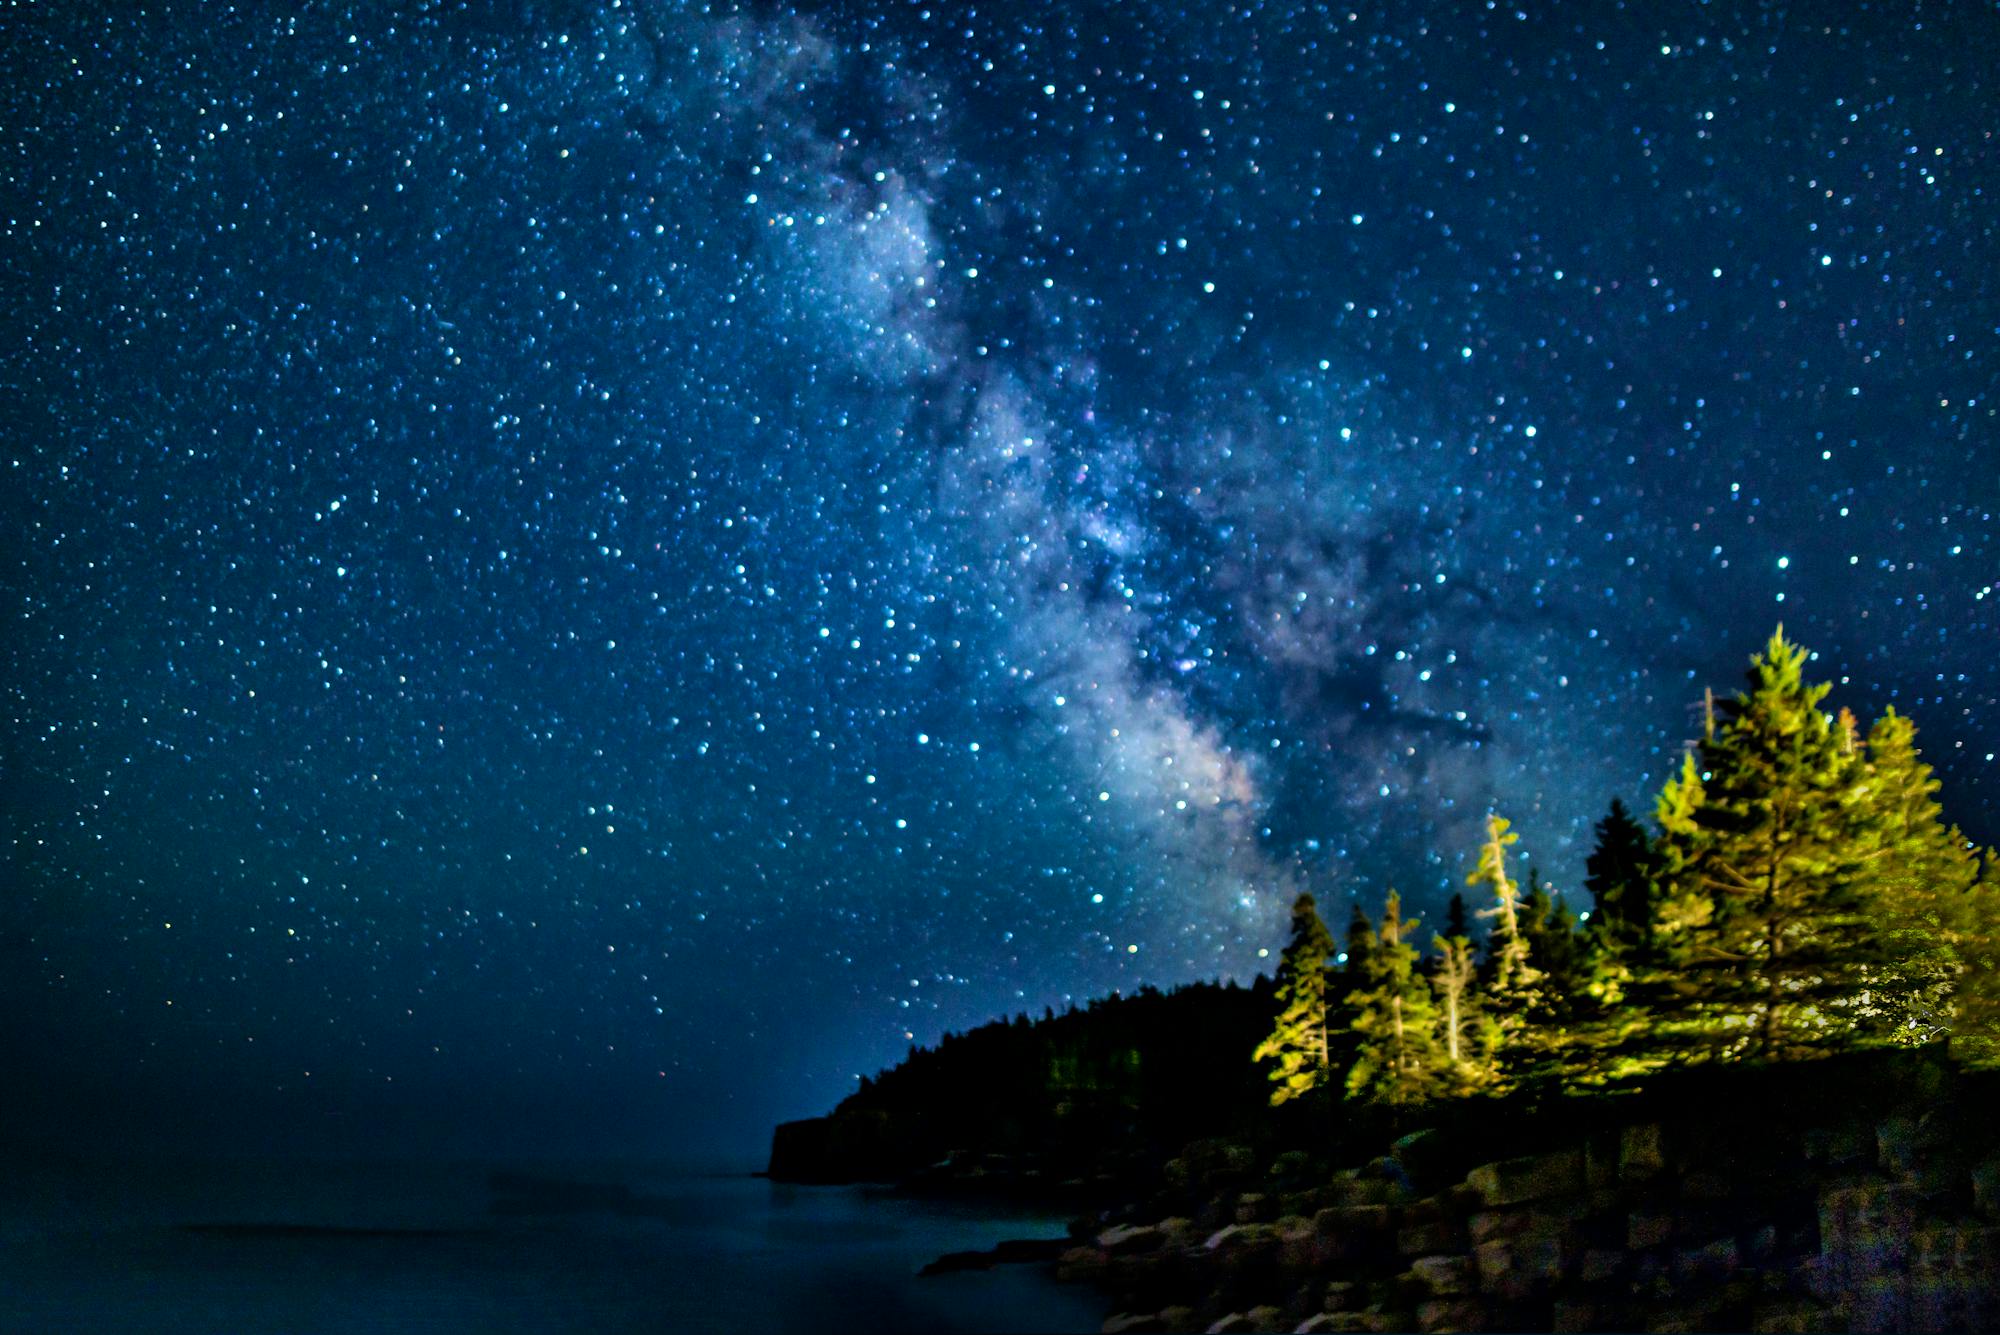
1764,847
1397,1060
1466,1035
1507,948
1515,996
1298,1041
1360,944
1455,924
1622,875
1923,876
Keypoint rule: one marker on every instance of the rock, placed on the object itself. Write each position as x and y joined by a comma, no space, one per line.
1125,1322
1270,1319
1179,1319
1708,1265
1864,1229
1236,1323
1514,1269
1355,1234
1081,1265
1532,1178
1707,1185
1491,1224
1577,1314
1845,1146
1641,1153
1130,1239
1986,1189
1253,1207
1442,1276
1600,1265
1430,1237
1896,1144
1320,1322
1648,1230
1177,1231
1237,1236
1450,1314
1343,1295
1343,1323
1792,1316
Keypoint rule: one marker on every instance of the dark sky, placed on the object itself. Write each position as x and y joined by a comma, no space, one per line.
579,574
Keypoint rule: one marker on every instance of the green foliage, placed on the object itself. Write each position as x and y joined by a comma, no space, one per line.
1398,1060
1297,1045
1467,1036
1934,915
1766,916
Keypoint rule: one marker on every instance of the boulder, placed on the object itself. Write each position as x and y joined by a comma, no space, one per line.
1125,1323
1450,1314
1490,1224
1986,1189
1532,1178
1711,1264
1130,1239
1896,1144
1081,1265
1648,1230
1641,1153
1442,1276
1344,1295
1428,1237
1792,1316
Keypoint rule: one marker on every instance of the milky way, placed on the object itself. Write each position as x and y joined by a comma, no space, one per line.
662,553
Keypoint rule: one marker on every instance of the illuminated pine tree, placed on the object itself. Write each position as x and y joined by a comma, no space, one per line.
1297,1045
1397,1059
1765,846
1923,876
1466,1035
1508,946
1515,987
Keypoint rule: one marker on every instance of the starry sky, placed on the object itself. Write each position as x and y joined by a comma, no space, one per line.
582,573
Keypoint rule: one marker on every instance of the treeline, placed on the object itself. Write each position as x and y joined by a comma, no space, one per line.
1801,893
1165,1066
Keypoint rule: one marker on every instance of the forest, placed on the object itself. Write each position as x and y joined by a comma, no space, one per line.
1802,894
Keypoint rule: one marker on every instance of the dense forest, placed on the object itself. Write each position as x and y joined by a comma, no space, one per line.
1801,894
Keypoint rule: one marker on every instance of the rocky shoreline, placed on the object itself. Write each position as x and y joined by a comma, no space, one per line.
1854,1194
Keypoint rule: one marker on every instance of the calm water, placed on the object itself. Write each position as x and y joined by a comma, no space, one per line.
103,1248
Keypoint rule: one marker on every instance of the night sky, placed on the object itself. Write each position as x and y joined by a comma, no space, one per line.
581,574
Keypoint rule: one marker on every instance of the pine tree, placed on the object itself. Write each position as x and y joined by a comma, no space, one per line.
1923,876
1762,847
1397,1060
1622,875
1298,1040
1465,1033
1516,998
1360,944
1507,948
1455,923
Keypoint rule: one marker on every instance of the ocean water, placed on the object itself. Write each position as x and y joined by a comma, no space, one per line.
246,1247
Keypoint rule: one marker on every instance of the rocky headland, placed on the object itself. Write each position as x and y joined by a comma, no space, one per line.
1857,1193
